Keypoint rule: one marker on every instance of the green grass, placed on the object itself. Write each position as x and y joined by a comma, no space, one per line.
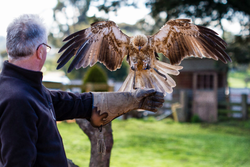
236,79
151,143
76,143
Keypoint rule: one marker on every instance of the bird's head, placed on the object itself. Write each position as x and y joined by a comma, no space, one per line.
139,41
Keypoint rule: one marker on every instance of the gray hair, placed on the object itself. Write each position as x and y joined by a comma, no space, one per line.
24,35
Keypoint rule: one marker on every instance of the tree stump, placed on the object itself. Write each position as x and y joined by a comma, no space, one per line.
101,142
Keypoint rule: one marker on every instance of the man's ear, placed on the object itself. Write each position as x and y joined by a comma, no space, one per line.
39,52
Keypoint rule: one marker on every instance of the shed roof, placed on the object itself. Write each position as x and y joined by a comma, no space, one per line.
205,64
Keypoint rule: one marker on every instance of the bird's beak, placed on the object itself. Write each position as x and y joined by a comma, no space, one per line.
139,48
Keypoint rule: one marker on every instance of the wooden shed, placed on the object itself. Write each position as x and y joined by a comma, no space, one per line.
205,82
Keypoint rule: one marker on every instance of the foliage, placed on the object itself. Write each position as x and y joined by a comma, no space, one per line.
166,143
195,119
239,50
236,79
2,43
119,74
4,53
95,74
61,11
206,10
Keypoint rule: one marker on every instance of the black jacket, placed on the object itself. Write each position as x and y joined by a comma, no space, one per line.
28,114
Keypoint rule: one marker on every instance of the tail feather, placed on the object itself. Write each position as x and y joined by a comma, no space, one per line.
143,79
161,84
170,81
151,79
128,83
168,68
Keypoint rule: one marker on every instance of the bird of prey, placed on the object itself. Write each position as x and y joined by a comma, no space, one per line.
103,41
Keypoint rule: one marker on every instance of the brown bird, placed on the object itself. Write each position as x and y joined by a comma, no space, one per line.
177,39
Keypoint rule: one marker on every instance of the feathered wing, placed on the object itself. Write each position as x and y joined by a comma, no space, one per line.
103,42
179,38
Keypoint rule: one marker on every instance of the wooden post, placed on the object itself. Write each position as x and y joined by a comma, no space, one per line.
184,106
101,143
244,106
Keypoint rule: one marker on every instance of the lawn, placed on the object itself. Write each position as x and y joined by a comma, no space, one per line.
151,143
236,79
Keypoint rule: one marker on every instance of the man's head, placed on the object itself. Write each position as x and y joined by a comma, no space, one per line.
26,37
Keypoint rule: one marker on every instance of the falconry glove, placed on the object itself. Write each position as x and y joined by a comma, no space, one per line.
109,105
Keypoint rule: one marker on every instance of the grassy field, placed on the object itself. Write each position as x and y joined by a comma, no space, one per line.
151,143
236,79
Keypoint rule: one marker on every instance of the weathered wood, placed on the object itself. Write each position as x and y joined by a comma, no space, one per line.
176,107
226,111
101,143
182,115
205,97
244,106
54,85
225,103
87,87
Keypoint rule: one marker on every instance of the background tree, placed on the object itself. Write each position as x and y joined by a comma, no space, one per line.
70,16
210,12
239,50
205,12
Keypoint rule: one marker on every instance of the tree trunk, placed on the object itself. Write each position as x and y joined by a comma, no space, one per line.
101,143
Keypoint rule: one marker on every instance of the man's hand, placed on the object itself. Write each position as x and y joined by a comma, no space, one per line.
152,102
108,106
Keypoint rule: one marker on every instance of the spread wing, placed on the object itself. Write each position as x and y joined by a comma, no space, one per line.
179,38
103,42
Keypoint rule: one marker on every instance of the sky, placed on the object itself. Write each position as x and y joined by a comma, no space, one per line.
10,9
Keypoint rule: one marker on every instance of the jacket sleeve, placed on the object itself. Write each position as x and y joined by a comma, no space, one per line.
69,105
18,133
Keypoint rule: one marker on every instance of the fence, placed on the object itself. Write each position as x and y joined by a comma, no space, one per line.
178,110
181,110
239,109
79,88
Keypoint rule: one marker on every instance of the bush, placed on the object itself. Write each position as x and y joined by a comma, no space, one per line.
195,119
95,74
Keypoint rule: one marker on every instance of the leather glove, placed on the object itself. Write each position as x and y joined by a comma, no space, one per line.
109,105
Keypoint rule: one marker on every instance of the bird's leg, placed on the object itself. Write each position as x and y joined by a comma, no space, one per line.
146,65
134,80
134,69
164,76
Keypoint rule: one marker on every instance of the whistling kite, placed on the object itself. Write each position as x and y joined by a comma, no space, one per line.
177,39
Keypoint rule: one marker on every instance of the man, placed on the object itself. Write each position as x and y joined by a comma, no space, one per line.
28,111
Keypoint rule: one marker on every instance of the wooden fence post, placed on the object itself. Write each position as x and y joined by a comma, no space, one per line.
184,106
244,106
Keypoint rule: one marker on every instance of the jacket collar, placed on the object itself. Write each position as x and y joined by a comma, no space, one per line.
32,77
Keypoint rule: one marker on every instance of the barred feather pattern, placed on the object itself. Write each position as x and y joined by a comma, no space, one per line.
151,79
104,42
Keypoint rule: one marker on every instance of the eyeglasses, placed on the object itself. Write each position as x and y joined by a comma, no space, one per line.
47,47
